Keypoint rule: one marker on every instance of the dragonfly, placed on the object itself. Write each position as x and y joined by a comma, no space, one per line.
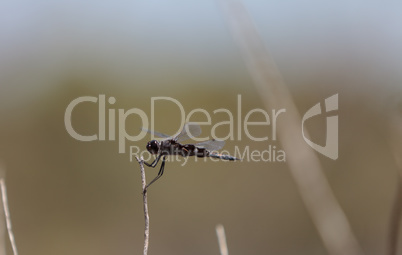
171,145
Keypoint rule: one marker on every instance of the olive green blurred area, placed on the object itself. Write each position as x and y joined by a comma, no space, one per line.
73,197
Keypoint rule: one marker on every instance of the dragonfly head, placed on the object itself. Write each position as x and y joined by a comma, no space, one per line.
153,147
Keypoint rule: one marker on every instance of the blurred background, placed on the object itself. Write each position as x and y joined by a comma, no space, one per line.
73,197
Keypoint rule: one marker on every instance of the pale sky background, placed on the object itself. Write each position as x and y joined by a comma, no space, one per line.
43,39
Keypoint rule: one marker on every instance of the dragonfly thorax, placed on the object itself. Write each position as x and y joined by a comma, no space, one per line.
153,147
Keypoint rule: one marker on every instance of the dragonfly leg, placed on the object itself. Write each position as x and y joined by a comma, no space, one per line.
159,174
154,163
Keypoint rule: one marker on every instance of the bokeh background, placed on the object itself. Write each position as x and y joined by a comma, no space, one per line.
73,197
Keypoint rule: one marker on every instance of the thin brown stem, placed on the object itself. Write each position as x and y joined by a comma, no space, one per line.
395,219
395,141
144,196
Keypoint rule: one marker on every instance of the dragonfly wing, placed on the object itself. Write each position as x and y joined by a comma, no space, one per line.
190,130
211,145
155,133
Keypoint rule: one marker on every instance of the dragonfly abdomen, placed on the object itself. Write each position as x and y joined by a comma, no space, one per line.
221,156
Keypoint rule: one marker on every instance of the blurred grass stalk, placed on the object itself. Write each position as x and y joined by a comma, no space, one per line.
325,211
220,233
395,143
5,217
2,220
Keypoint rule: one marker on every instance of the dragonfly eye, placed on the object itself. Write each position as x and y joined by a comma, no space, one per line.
153,147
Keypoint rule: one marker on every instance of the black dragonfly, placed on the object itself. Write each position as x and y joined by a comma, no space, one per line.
171,145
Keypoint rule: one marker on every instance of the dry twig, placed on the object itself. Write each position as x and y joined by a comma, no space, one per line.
144,196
